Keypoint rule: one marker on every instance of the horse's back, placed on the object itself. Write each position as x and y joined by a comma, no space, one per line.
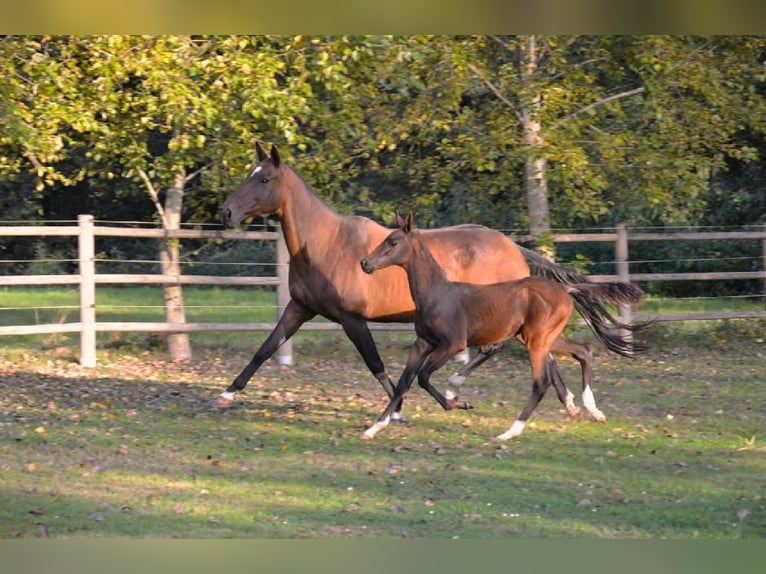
476,254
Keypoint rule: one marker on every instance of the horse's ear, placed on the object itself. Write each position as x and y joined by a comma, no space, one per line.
408,225
274,155
398,219
260,153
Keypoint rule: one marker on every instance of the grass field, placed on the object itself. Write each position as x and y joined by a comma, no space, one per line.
136,447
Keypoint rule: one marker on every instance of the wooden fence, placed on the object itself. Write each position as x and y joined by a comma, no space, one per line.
87,279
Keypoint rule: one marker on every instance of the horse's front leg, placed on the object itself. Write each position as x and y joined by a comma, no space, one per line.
294,315
358,332
457,379
418,354
436,360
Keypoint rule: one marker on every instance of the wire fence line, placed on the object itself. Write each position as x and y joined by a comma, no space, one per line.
85,231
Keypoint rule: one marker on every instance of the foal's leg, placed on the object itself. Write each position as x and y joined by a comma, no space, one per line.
418,354
457,379
540,382
583,354
436,360
564,394
291,320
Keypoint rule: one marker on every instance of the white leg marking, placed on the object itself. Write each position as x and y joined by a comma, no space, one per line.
456,380
463,356
572,409
453,384
373,430
590,403
397,416
227,395
516,429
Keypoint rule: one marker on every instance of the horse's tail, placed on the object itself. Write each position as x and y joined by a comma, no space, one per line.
616,335
588,298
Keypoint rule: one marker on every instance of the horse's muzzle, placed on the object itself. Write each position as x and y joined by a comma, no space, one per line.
366,267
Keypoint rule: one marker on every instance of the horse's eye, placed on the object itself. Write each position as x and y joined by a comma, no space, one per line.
392,242
264,180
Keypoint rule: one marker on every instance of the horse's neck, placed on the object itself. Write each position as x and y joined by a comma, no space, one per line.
424,274
305,217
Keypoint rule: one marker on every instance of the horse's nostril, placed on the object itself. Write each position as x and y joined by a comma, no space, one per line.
226,215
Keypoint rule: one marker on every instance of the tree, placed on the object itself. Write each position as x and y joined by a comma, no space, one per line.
165,111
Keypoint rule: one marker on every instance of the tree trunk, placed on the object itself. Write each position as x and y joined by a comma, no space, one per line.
536,182
179,347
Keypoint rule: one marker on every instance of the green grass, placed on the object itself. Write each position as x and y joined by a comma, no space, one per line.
136,448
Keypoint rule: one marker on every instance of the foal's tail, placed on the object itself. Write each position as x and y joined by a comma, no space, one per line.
588,299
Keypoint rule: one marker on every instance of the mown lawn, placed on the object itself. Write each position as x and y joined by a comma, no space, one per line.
136,447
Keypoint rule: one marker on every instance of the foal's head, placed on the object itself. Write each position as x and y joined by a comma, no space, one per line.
259,193
394,250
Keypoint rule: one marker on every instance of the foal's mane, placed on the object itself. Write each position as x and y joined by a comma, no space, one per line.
423,251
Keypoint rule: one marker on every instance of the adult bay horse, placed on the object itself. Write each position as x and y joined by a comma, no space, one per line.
325,279
451,315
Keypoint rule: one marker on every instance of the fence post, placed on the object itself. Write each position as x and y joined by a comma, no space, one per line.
86,255
285,352
763,257
623,272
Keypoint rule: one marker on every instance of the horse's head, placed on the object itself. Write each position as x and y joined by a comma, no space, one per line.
394,250
259,193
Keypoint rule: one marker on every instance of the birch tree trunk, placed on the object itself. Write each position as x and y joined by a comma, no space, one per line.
536,182
179,347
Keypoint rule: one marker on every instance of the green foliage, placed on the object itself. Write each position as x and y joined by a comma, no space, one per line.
648,131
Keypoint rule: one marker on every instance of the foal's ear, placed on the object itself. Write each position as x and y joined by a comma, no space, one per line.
408,225
398,219
274,155
260,153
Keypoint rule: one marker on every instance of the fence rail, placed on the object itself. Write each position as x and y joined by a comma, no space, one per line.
87,279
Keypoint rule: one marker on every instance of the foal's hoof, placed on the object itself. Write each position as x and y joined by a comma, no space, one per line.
463,405
574,412
398,418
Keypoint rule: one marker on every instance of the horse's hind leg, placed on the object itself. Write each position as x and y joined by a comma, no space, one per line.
541,380
566,397
457,379
291,320
583,354
359,334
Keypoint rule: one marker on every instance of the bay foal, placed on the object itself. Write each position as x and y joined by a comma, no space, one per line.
450,316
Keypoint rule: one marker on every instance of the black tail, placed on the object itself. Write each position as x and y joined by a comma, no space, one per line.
588,298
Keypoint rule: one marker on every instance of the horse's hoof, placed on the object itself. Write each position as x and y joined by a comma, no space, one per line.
223,402
574,412
398,418
365,436
467,406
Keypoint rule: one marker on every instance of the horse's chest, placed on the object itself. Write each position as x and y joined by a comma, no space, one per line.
316,288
